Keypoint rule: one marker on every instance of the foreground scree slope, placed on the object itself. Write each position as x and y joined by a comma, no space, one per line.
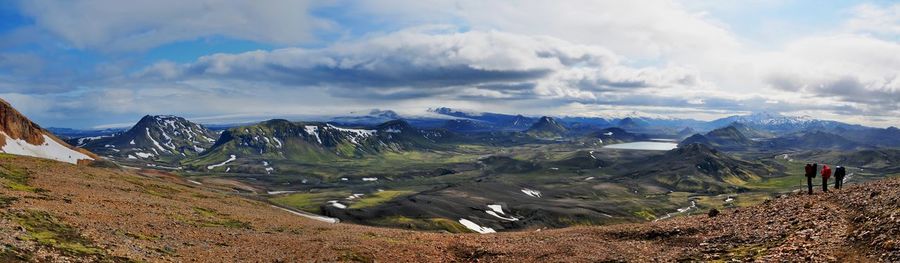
54,212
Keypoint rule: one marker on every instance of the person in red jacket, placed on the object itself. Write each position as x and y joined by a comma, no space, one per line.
826,172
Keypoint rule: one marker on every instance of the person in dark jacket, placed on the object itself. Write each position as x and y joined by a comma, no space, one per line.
826,173
810,173
839,174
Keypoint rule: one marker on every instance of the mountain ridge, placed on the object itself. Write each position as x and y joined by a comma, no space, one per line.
19,135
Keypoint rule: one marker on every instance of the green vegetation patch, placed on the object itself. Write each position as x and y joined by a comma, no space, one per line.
784,183
646,215
378,198
16,179
212,218
49,231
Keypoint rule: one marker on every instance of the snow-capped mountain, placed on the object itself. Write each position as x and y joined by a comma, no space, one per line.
777,123
497,120
276,140
153,138
21,136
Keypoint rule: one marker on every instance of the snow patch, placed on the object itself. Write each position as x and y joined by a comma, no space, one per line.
497,211
223,163
475,227
335,203
532,193
355,134
155,143
370,179
314,131
311,216
679,211
49,150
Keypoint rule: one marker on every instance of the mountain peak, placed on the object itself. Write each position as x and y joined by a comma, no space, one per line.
547,127
17,126
694,149
155,136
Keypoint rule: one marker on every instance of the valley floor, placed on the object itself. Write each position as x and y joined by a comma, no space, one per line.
56,212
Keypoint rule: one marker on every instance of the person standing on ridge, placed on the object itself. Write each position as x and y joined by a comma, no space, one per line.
826,172
810,173
839,174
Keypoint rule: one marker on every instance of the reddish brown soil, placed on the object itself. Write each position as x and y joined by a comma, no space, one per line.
157,217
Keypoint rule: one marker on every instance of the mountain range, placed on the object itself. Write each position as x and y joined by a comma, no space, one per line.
262,146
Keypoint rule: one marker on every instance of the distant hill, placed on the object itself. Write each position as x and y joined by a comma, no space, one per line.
161,138
466,125
731,137
21,136
696,168
816,140
686,132
632,124
547,127
68,133
616,135
887,137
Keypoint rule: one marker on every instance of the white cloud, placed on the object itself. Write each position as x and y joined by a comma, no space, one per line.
646,29
138,25
647,54
871,18
439,61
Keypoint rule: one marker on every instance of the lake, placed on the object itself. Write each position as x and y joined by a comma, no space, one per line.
648,146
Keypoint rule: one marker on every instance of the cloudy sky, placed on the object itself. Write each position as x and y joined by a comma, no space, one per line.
96,63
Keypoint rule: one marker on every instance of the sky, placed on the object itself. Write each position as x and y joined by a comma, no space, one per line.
105,63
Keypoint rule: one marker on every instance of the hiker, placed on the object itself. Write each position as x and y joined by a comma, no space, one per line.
839,174
810,173
826,172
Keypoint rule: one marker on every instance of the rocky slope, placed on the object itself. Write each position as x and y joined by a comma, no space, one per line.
154,138
21,136
66,213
